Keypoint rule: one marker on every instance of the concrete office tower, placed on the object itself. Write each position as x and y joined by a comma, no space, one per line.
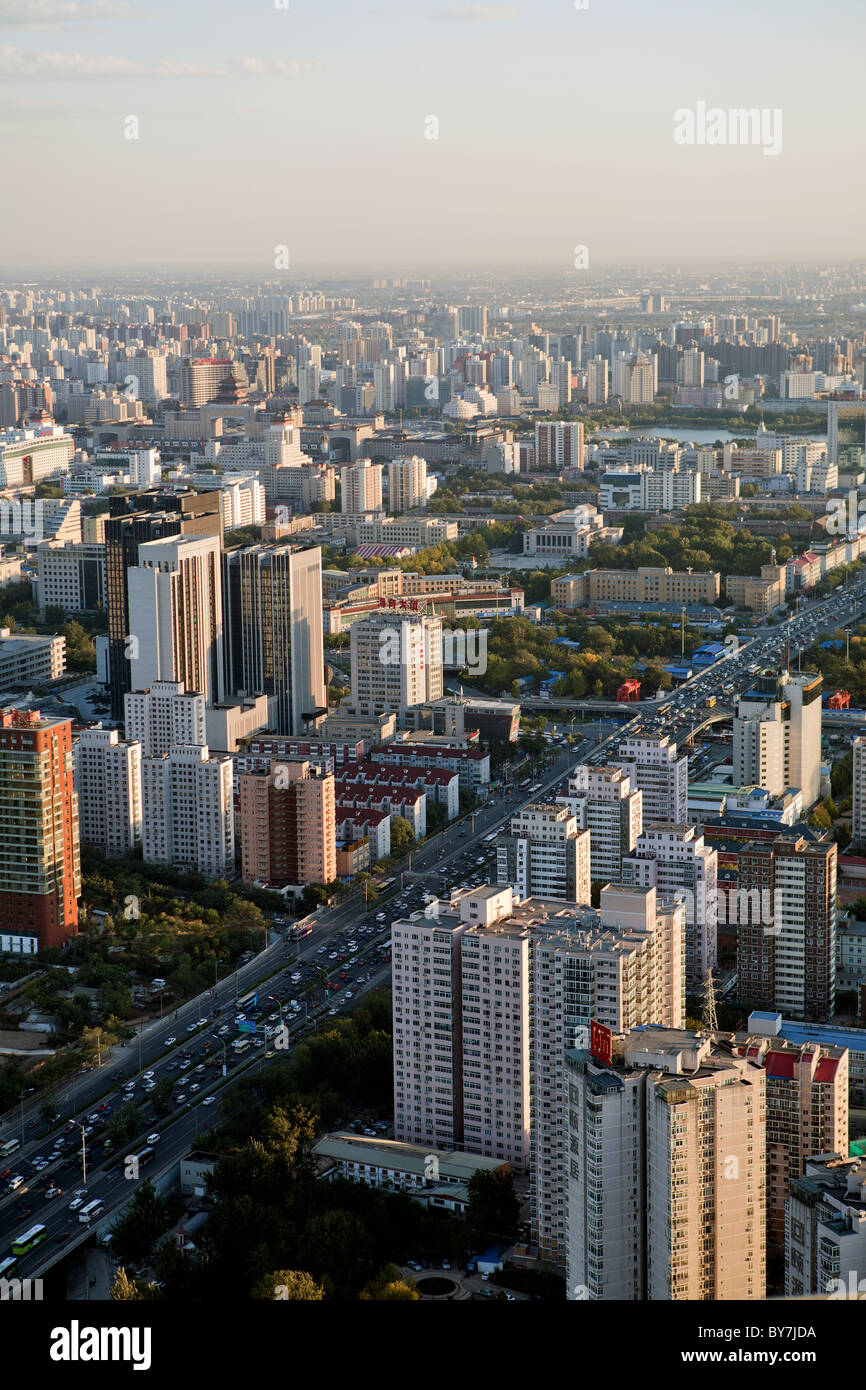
545,855
623,966
660,775
176,615
309,384
786,937
596,381
188,812
825,1230
858,793
40,863
777,734
666,1186
149,369
407,484
361,486
606,802
675,858
164,716
807,1112
287,825
132,522
108,784
558,445
396,662
274,643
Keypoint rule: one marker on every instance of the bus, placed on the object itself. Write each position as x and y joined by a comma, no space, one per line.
7,1266
524,784
248,1001
9,1147
142,1159
301,929
30,1238
92,1210
489,838
240,1044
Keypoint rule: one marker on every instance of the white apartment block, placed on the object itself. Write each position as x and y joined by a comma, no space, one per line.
666,1184
660,775
623,966
188,811
858,793
674,858
361,487
545,855
669,490
606,802
407,484
825,1228
30,455
70,575
107,774
164,716
176,616
777,735
29,659
396,662
243,504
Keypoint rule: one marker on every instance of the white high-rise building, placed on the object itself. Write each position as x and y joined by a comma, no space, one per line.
858,792
407,484
361,486
777,734
667,1183
396,661
597,381
188,811
176,615
309,384
675,858
164,716
606,802
545,855
107,773
660,775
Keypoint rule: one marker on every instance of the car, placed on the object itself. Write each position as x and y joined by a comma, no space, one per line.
76,1203
200,1067
296,978
179,1100
221,1032
192,1027
332,1011
185,1063
31,1124
53,1191
169,1042
195,1087
154,1138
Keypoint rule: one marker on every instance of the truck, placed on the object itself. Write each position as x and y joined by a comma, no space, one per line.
711,700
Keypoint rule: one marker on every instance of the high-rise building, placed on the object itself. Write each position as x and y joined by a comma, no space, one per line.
825,1228
188,812
108,784
40,863
163,716
559,444
286,825
667,1180
274,631
786,937
623,966
596,381
396,657
777,734
675,859
807,1112
176,615
361,487
545,855
660,775
132,522
407,484
858,792
606,802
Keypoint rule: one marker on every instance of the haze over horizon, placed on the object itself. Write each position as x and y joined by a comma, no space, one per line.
307,127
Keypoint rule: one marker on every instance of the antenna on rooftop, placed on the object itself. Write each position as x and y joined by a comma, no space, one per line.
710,1018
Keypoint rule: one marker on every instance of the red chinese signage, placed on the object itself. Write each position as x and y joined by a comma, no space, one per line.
599,1041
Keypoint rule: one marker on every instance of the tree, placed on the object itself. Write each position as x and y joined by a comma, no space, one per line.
493,1208
389,1285
282,1284
123,1288
144,1220
402,835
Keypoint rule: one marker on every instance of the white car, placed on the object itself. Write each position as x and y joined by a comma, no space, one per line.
296,978
208,1100
169,1042
148,1076
192,1027
195,1087
179,1100
153,1138
76,1203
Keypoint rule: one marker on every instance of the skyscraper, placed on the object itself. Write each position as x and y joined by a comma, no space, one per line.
606,802
545,855
108,785
407,484
660,774
274,641
188,811
361,487
396,660
777,734
163,716
176,615
40,864
675,858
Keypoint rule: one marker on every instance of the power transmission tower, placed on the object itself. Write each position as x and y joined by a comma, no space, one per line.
710,1017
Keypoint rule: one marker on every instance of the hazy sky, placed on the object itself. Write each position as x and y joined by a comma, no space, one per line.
305,126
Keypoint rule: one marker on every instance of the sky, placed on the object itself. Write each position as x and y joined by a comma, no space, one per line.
305,124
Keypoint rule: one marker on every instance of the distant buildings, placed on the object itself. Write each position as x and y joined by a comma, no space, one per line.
825,1228
361,487
643,585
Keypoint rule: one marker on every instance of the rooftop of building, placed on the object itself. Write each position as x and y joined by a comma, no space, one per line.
345,1146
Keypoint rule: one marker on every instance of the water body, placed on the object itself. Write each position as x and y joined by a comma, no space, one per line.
695,436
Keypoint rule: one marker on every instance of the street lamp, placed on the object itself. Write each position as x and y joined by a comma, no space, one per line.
83,1152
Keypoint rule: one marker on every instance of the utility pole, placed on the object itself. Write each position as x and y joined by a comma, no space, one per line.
83,1155
710,1018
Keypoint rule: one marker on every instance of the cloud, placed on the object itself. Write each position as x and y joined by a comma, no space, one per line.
56,14
277,67
17,65
480,14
